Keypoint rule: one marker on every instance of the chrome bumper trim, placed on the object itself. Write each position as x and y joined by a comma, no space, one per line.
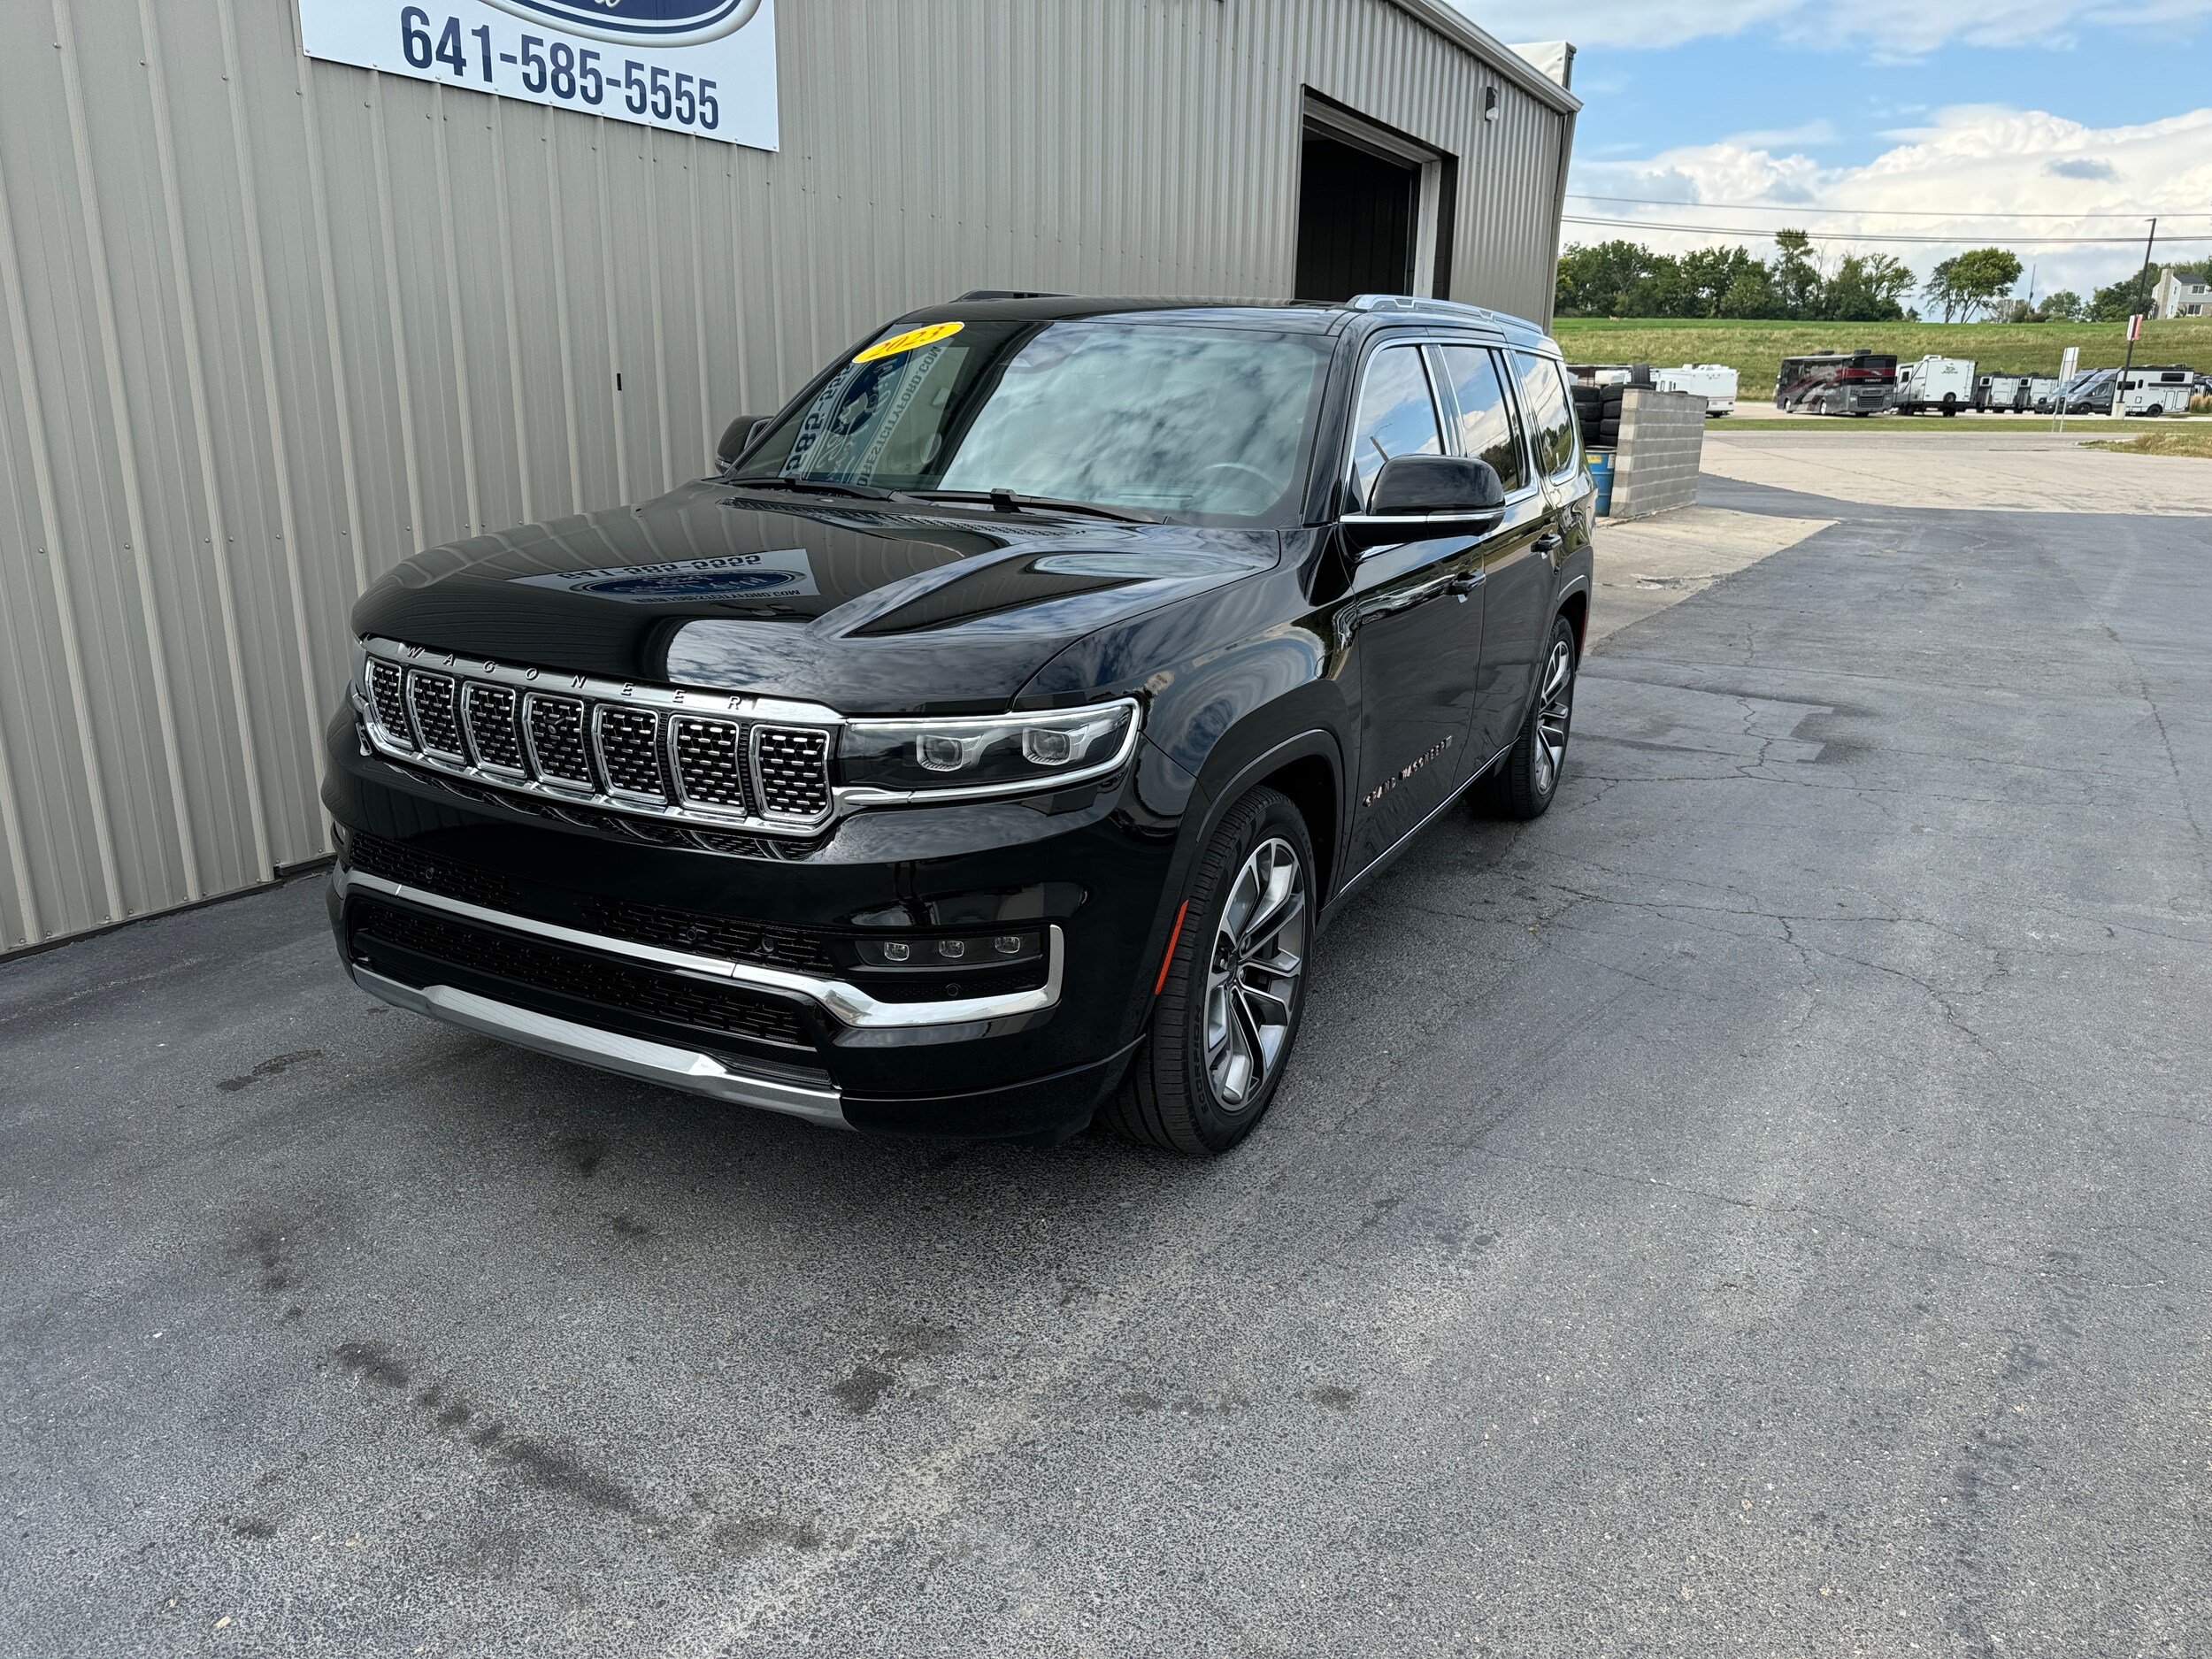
848,1004
609,1051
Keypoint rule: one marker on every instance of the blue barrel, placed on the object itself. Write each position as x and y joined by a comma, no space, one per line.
1602,475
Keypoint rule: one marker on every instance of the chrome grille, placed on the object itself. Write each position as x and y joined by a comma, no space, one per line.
793,765
387,692
673,766
489,711
432,697
557,741
629,749
709,761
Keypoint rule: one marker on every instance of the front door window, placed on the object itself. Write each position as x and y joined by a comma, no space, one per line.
1397,416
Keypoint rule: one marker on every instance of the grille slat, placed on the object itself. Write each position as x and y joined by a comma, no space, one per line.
629,751
388,692
710,761
489,711
557,739
793,765
432,698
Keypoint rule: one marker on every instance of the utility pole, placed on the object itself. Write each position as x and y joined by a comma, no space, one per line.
2141,282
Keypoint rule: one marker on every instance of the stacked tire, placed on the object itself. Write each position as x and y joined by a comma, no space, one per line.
1598,411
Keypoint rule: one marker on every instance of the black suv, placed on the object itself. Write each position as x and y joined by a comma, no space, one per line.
983,744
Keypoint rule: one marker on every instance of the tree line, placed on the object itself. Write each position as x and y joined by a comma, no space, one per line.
1626,279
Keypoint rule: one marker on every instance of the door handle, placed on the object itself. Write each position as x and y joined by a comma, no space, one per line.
1549,543
1464,584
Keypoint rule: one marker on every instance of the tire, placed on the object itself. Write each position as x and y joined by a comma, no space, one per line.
1183,1093
1528,778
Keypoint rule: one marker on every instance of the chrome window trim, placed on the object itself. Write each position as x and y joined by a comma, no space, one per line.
848,1004
755,711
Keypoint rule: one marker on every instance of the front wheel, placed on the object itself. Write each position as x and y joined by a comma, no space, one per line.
1529,776
1226,1010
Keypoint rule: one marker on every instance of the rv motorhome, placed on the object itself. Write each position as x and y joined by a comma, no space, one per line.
1837,383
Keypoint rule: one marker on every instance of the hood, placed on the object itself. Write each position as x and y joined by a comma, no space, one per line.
889,609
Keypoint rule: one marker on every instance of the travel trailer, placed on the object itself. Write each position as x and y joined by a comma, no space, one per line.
1935,385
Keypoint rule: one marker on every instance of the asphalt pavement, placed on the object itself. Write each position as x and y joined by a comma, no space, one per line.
1762,1207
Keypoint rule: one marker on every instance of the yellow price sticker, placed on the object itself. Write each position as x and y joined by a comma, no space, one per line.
912,340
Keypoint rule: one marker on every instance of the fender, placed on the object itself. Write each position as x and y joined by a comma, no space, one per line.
1225,782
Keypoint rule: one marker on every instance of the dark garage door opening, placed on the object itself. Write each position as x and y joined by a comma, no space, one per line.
1356,221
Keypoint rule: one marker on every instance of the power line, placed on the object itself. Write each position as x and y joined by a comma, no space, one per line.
1874,212
1839,235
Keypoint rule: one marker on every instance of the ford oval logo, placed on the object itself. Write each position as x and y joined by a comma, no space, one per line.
639,22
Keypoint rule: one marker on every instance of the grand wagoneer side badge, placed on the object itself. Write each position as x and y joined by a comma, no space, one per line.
639,22
1435,752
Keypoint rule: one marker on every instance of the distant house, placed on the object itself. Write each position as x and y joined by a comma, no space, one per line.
2180,296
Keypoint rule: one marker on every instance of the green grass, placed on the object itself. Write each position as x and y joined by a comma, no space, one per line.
1755,349
2173,441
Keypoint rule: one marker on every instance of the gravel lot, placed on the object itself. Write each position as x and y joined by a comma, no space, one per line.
1760,1207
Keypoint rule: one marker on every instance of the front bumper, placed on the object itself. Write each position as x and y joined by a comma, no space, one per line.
506,934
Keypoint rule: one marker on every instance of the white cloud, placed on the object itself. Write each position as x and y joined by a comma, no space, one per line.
1818,132
1890,27
1971,160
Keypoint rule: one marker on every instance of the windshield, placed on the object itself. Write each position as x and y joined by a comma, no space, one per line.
1160,418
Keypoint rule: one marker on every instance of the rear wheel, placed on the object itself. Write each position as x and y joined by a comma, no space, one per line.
1529,776
1228,1006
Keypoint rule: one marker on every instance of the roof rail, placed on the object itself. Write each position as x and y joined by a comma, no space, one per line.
1421,304
1007,293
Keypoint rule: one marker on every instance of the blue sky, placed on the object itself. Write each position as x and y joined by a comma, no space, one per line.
1913,106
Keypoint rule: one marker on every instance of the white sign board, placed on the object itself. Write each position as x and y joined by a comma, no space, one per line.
707,67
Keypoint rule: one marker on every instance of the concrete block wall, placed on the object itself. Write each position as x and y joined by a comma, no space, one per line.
1655,462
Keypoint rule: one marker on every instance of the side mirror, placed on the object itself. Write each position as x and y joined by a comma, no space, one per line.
1417,496
737,437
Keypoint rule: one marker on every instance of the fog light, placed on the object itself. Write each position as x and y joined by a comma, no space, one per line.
1007,945
952,949
897,950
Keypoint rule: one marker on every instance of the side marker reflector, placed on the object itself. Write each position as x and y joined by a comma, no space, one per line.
1160,984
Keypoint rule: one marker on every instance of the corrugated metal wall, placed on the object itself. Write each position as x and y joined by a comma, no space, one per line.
273,325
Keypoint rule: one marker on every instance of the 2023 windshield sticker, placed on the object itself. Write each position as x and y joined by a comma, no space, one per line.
706,67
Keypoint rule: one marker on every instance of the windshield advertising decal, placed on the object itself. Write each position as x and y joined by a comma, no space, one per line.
778,574
706,67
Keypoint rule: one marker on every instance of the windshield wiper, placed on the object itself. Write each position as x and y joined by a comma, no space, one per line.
816,486
1009,501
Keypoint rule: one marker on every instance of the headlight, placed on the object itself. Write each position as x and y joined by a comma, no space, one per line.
1005,754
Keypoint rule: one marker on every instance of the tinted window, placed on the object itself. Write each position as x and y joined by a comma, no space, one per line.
1551,424
1397,416
1487,429
1166,417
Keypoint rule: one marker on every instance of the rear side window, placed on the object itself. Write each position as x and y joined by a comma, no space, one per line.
1487,430
1397,416
1551,424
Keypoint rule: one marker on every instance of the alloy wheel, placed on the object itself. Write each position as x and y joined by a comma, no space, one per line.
1259,954
1554,708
